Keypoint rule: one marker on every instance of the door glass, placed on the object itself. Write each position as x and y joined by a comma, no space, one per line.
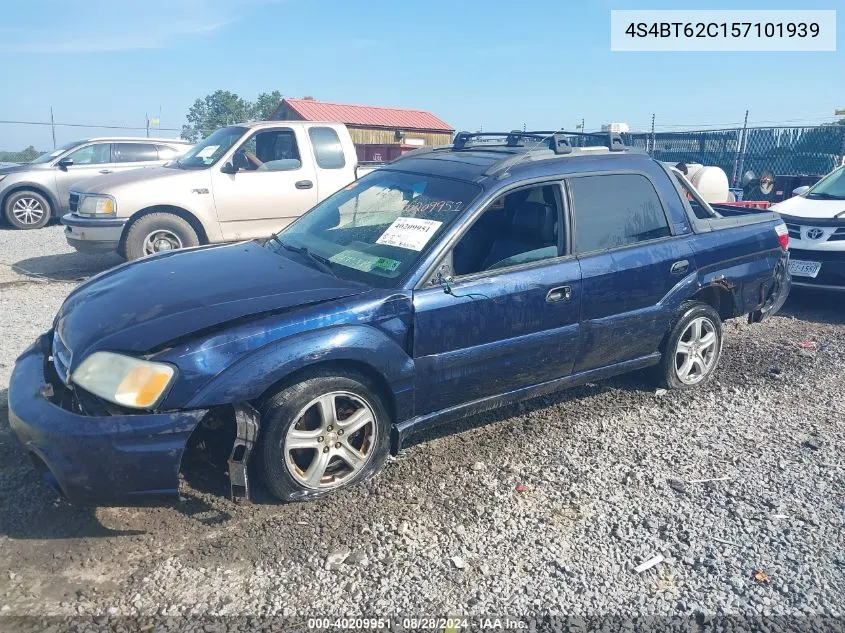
166,152
96,154
327,148
615,210
518,228
135,152
271,150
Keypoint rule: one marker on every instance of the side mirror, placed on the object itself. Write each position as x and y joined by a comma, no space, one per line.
65,163
798,191
239,160
229,168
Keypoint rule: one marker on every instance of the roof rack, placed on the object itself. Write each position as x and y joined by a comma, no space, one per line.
555,140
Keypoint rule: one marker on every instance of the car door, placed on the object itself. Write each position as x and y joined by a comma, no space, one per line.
509,317
274,185
630,261
90,160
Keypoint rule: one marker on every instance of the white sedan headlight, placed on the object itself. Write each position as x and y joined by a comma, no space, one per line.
124,380
96,205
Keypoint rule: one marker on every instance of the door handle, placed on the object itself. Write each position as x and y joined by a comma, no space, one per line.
105,171
304,184
562,293
679,268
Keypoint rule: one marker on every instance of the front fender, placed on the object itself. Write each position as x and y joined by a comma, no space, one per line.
255,373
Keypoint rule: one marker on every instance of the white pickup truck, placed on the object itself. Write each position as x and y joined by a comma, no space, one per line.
241,182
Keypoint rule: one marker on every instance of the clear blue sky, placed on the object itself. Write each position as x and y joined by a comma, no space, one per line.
545,63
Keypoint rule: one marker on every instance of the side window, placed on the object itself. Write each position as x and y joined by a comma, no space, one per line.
327,148
166,152
615,210
96,154
135,152
520,227
270,150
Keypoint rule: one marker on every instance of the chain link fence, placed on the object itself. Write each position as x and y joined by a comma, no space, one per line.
812,151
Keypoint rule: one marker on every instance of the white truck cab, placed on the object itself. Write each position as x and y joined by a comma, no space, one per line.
815,218
241,182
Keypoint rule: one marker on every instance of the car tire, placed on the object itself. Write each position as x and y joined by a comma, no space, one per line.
157,233
27,210
691,350
303,454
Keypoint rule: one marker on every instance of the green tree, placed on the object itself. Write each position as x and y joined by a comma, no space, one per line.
265,105
23,156
216,110
221,108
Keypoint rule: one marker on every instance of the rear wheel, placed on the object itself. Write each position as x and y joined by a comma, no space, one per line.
158,233
321,434
27,210
692,348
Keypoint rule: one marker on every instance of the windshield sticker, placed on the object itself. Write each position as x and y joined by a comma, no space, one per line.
410,233
364,262
207,152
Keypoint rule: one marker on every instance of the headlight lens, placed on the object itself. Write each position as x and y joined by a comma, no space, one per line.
96,205
124,380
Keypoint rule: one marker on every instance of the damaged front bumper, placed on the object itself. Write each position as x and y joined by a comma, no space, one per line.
96,460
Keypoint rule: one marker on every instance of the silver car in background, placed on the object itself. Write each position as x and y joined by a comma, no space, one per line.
33,193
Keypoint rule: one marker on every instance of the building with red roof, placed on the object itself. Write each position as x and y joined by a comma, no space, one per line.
379,134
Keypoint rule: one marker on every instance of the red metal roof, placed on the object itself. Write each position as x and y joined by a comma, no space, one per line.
370,116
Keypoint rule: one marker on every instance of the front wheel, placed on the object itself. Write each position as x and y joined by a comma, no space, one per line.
692,348
321,434
27,210
158,233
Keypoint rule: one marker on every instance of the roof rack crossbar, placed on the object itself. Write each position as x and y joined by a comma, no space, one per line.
557,139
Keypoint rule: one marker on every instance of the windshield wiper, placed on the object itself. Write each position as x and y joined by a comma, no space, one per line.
824,196
321,262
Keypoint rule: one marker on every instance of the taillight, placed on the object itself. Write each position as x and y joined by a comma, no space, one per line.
783,235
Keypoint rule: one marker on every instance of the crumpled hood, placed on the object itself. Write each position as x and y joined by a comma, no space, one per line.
110,183
144,304
801,207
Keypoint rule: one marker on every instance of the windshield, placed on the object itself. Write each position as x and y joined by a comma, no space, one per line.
377,228
831,187
211,149
46,157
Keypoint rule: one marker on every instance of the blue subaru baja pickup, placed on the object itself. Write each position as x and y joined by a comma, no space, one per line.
451,281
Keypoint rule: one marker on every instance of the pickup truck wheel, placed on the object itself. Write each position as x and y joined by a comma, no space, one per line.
692,348
27,210
157,233
321,434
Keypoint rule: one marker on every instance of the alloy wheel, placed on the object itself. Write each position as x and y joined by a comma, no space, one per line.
332,439
695,353
161,240
28,210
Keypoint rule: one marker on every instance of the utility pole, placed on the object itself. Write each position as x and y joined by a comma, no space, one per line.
652,133
53,127
147,117
739,160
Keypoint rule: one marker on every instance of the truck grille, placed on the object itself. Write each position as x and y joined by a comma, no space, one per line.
794,231
839,234
73,202
61,357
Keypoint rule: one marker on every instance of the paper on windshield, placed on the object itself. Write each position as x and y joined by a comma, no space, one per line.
207,152
364,261
410,233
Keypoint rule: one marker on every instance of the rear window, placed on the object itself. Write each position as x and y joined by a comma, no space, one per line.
615,210
134,152
327,148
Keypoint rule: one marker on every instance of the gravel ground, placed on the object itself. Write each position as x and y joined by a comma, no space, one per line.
542,508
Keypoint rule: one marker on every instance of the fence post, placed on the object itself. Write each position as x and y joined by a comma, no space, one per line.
652,135
739,159
842,145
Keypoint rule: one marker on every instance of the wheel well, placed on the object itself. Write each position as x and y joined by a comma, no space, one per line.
719,298
54,210
340,367
189,217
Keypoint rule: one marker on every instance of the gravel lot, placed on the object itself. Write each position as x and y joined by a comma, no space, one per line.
542,508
